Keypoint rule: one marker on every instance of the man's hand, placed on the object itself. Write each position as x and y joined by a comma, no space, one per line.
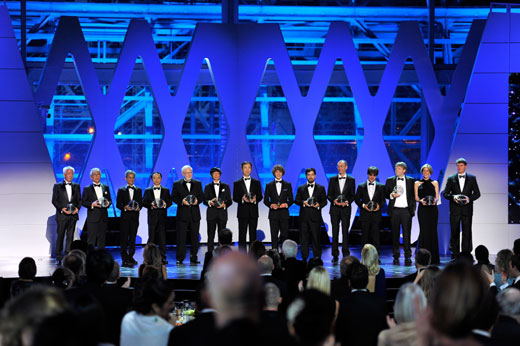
274,206
65,211
75,211
306,204
284,205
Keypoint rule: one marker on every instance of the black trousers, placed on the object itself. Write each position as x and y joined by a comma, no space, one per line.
96,233
212,227
243,224
184,226
128,232
401,218
467,243
278,226
310,229
66,229
342,217
157,235
370,229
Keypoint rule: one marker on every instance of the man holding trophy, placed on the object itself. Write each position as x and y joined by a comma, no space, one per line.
311,198
129,201
370,198
401,208
157,200
66,198
461,190
217,196
96,198
247,193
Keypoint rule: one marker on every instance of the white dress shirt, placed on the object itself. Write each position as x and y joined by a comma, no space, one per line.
157,193
371,189
99,191
68,188
342,182
278,187
188,185
401,202
310,189
131,191
216,188
247,181
462,181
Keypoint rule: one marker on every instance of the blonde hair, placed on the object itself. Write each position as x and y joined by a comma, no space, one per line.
319,279
427,166
370,259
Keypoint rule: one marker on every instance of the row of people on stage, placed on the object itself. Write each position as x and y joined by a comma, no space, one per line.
403,193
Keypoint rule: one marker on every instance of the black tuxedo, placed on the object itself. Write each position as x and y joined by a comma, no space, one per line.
310,219
506,331
401,217
97,217
461,213
66,223
361,317
188,216
129,222
216,216
198,332
157,217
279,218
340,214
370,220
247,213
294,272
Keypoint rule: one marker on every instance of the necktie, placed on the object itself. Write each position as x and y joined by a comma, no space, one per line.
370,183
400,178
310,185
342,178
278,181
156,188
462,176
247,179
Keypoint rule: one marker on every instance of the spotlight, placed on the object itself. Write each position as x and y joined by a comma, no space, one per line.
91,130
67,157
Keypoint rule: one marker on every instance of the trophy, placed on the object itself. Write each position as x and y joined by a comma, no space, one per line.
133,205
311,201
103,202
430,200
341,199
372,206
398,190
190,199
249,197
217,202
159,203
70,208
462,199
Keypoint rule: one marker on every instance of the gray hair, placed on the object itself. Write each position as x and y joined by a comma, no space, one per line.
404,306
290,248
94,170
265,264
509,302
272,295
186,167
129,171
65,169
342,161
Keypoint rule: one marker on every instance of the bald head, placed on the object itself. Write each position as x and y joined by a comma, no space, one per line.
265,265
235,288
272,296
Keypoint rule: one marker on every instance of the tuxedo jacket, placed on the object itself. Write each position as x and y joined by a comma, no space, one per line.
180,191
470,189
348,191
306,213
123,198
271,197
247,210
89,196
60,199
224,192
362,197
157,213
410,194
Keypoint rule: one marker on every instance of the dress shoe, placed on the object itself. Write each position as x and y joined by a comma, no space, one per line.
407,262
132,261
165,262
396,261
179,263
194,261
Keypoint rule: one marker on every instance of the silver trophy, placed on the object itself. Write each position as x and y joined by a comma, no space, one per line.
462,199
249,197
133,205
372,206
341,199
159,203
190,199
429,200
399,190
70,208
217,202
311,201
103,202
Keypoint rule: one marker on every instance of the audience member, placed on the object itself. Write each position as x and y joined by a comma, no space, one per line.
423,259
516,247
426,279
76,264
26,273
63,278
294,269
271,319
514,271
482,257
265,267
275,256
507,328
502,265
152,257
257,249
376,274
340,287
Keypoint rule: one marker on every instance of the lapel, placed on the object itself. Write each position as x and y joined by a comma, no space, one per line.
65,192
457,184
244,184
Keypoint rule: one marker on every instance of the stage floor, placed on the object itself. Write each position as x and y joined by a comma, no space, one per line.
47,265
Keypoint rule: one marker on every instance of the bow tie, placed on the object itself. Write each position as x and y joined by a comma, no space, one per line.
132,187
310,185
187,181
97,185
462,176
400,178
68,183
247,178
370,183
156,188
342,178
278,181
216,184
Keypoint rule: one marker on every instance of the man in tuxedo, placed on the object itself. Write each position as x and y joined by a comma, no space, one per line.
370,191
340,185
310,213
461,211
294,270
247,211
217,196
278,198
63,194
401,208
97,211
188,215
157,212
129,221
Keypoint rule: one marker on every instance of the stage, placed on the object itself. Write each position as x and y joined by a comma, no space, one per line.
47,265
